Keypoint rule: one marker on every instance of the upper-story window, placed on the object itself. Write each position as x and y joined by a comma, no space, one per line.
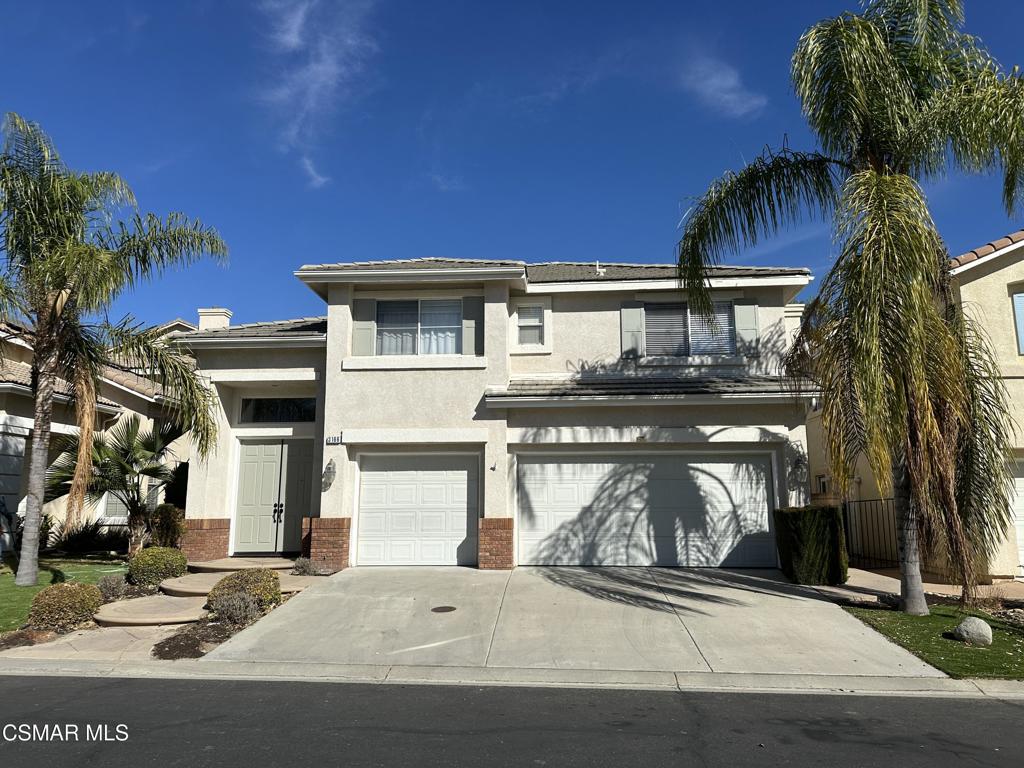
1018,317
671,330
419,327
530,325
277,410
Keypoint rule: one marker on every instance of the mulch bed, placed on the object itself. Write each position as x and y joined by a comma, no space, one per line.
194,640
22,637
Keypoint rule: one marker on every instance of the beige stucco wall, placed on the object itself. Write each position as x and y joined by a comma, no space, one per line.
586,333
374,408
213,480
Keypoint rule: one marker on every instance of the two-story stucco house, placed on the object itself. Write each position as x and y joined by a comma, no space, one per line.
989,282
494,413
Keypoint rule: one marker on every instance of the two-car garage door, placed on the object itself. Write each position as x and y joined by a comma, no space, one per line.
659,509
668,509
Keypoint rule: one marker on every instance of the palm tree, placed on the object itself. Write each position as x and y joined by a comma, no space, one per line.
67,254
896,95
125,462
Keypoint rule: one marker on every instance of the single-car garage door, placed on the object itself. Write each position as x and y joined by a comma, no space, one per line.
663,509
417,510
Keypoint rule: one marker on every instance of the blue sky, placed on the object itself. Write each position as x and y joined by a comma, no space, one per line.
310,131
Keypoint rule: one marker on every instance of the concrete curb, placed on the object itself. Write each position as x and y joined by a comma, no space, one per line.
682,682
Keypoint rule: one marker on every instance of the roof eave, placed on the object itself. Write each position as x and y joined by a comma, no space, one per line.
1004,251
249,342
671,284
554,401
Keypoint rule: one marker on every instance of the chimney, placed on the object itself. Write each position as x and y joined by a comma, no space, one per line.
212,318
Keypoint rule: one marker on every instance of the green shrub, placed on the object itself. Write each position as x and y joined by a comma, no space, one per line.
89,536
45,531
64,606
151,566
261,584
812,544
112,587
168,525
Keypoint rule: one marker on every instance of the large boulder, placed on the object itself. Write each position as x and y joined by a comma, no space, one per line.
974,631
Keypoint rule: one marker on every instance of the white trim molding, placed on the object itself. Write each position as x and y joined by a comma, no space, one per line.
250,342
440,436
412,362
666,285
261,375
565,401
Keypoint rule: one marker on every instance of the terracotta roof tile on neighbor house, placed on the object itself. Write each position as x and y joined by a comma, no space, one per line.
431,262
570,272
301,326
987,249
20,374
639,385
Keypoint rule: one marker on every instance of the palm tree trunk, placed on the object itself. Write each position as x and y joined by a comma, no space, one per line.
39,459
136,530
912,599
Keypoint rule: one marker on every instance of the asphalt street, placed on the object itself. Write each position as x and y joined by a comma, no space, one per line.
151,722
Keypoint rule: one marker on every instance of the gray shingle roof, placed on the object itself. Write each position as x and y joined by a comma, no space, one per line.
432,262
639,385
986,250
283,329
568,272
560,271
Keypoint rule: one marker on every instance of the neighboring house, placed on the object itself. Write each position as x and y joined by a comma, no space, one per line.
989,282
494,413
121,392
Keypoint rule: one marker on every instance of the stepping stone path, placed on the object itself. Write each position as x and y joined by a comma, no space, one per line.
183,599
200,584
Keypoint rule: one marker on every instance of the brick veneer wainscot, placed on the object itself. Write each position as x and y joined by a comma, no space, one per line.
495,544
206,538
325,541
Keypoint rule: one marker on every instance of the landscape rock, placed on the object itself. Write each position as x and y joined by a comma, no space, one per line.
974,631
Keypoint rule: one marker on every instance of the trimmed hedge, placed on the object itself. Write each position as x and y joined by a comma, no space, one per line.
263,585
62,607
151,566
812,544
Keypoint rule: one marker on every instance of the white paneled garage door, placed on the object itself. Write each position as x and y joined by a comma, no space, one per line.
417,510
664,509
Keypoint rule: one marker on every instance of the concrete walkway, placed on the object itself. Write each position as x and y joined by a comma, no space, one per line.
623,620
102,644
869,586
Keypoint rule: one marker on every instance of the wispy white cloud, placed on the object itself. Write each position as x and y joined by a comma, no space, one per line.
316,179
448,183
719,86
320,50
579,77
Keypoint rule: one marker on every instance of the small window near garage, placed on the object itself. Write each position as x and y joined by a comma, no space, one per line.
530,323
277,410
1018,316
672,330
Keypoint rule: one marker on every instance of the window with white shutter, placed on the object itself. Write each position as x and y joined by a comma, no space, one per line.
665,330
671,330
530,324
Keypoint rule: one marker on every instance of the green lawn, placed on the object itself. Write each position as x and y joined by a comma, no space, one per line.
15,601
923,636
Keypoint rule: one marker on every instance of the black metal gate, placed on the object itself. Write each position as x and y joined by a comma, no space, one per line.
871,533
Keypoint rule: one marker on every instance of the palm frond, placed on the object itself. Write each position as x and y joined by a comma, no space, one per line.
189,399
777,189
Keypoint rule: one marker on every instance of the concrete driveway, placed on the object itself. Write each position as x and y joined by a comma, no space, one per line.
636,619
